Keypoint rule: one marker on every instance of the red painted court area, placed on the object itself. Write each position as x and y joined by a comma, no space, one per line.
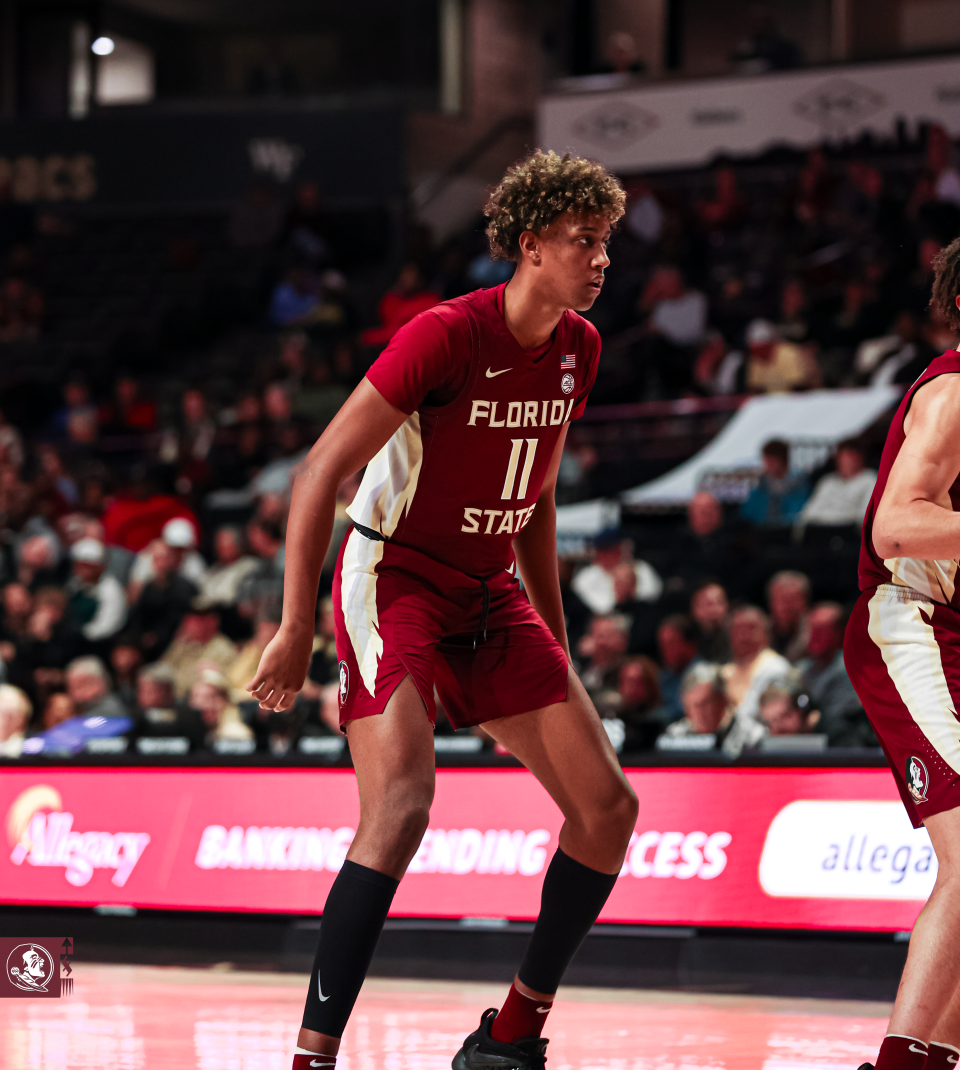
138,1018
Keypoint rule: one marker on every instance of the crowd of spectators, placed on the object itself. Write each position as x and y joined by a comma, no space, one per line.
142,514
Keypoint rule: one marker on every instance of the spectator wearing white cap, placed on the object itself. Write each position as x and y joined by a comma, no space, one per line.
98,603
775,366
180,536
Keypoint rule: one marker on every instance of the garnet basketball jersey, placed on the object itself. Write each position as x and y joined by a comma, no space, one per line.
934,579
459,481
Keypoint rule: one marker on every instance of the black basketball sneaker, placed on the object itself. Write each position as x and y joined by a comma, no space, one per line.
481,1052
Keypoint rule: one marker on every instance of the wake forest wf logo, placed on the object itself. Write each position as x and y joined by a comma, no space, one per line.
37,967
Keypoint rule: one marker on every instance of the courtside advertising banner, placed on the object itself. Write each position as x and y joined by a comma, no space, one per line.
797,848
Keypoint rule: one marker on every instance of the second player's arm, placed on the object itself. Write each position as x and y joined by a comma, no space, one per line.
356,433
535,549
915,517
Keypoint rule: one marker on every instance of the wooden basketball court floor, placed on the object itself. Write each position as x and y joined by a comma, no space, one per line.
161,1018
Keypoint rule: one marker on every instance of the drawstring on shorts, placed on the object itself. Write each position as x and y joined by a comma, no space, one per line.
484,613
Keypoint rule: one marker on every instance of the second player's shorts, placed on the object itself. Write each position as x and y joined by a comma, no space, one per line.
902,653
400,612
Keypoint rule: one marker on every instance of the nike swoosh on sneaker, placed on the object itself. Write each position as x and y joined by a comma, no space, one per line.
492,374
323,998
919,1051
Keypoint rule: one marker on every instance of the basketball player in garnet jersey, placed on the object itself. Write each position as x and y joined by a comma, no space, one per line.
902,651
461,424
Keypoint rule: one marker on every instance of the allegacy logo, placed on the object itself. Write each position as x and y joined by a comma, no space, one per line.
834,849
42,835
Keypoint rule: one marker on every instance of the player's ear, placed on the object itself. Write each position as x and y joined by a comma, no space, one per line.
530,246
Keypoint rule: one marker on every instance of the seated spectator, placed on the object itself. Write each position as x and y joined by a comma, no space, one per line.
128,413
58,708
677,641
15,712
842,497
576,615
643,616
50,643
704,702
210,696
786,709
605,647
220,585
56,491
125,660
639,702
244,667
775,366
295,297
753,665
16,609
677,323
826,681
266,580
727,207
594,584
408,298
897,357
88,685
136,516
158,712
779,496
322,397
11,445
788,600
163,602
37,557
709,608
76,526
198,642
98,604
179,535
765,48
706,547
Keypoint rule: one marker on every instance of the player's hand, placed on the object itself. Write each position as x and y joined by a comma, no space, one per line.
282,670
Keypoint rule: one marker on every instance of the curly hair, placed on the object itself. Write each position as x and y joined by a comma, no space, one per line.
536,191
946,283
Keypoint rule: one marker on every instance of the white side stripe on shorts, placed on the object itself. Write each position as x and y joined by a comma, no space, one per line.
912,656
358,601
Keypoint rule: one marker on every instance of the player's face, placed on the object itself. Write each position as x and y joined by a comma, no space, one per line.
575,257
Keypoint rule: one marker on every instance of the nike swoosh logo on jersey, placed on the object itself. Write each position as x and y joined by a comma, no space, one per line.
493,374
323,998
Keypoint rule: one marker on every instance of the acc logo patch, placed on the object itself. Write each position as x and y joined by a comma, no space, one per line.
344,681
918,779
567,383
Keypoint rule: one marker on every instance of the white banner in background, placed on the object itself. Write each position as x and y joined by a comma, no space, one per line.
689,123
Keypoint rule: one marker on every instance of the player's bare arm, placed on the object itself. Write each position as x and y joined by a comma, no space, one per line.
354,435
535,549
915,517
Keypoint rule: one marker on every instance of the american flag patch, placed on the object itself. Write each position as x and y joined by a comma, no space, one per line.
568,361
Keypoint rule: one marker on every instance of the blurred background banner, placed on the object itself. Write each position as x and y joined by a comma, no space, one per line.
652,126
205,160
798,848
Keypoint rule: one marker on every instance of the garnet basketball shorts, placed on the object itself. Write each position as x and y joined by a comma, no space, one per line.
902,652
481,644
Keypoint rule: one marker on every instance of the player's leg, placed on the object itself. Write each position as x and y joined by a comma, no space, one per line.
944,1047
565,746
393,755
929,983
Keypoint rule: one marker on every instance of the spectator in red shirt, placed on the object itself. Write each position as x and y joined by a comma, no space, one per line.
398,306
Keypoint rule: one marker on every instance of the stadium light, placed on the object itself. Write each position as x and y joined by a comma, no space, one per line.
103,46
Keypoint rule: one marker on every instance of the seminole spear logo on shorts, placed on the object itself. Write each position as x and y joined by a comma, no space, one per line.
918,779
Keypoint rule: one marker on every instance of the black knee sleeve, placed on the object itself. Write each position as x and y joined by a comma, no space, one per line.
353,918
573,895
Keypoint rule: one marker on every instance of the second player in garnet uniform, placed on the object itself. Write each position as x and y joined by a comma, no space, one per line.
461,425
